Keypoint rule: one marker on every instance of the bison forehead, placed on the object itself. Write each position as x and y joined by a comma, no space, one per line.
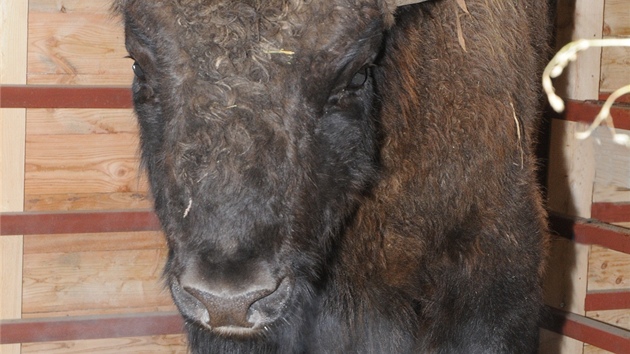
228,37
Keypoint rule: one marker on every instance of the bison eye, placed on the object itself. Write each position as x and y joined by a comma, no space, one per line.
137,70
360,78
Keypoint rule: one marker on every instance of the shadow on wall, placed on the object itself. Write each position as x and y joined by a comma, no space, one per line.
558,150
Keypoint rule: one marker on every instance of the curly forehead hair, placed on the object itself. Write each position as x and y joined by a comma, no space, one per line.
236,44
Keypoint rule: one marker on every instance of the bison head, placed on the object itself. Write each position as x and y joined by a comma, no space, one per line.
259,140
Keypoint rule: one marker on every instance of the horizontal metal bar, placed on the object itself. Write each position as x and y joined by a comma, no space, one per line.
601,300
586,111
35,223
588,330
611,212
591,232
90,327
48,96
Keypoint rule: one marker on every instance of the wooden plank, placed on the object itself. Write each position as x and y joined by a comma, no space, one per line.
32,96
112,241
584,329
65,283
94,163
63,121
13,54
90,201
569,184
610,194
591,349
90,327
618,318
608,270
580,19
164,344
570,181
31,223
70,48
617,18
613,160
102,7
615,71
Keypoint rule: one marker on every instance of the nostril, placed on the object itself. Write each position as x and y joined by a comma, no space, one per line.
268,308
228,310
246,309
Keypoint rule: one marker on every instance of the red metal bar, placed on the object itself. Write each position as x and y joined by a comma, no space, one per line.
614,237
603,96
585,111
31,96
31,223
90,327
591,232
611,212
588,330
600,300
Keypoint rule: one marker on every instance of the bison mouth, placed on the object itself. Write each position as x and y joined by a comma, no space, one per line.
233,314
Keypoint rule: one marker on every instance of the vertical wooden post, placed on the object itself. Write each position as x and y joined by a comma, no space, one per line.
572,169
13,61
586,22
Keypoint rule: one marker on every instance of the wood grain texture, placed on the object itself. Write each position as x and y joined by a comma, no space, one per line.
89,201
62,121
619,318
580,19
94,163
93,281
615,60
591,349
70,48
101,7
615,71
612,162
13,54
167,344
608,269
617,18
610,194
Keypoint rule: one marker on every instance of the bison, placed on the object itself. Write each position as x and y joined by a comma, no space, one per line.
345,176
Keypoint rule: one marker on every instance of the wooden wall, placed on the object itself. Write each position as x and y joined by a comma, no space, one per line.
590,178
77,160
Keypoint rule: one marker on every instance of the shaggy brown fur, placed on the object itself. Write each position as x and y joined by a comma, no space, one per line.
332,179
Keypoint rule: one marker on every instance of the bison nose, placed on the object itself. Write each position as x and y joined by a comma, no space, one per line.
255,306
